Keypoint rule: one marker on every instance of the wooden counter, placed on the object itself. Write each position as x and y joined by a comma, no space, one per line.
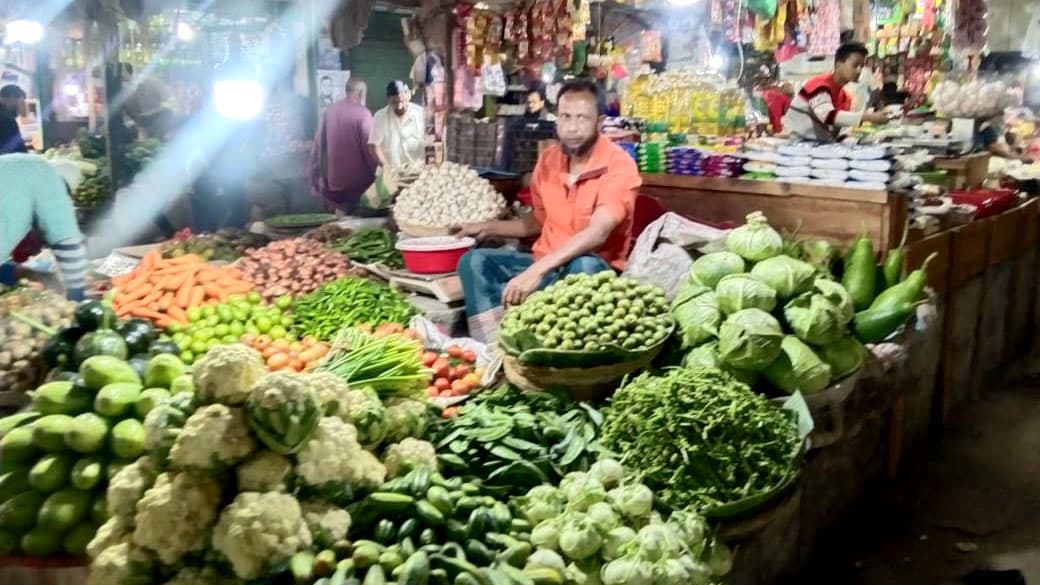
837,214
965,172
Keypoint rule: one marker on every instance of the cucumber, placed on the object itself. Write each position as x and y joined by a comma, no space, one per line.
477,553
516,555
344,570
429,514
19,513
427,536
13,483
19,419
468,504
407,529
545,576
439,497
376,576
49,432
63,510
87,473
421,479
324,564
455,530
466,579
390,560
76,540
390,502
416,570
385,531
51,472
365,555
301,565
41,542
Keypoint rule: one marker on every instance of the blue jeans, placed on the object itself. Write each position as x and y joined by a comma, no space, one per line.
485,272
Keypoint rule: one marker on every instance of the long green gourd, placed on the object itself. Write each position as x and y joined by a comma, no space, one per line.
893,267
908,291
860,277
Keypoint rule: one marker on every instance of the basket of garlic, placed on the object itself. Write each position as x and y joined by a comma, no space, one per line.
443,196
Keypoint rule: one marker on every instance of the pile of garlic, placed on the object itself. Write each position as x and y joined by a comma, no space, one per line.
975,99
446,195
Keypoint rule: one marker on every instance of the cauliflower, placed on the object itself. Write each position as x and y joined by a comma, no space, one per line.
114,531
364,410
265,471
196,576
331,390
174,517
333,460
227,372
407,455
215,436
327,523
122,564
259,531
283,410
127,486
406,418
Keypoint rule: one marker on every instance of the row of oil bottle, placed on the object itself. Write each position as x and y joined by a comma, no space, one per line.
687,103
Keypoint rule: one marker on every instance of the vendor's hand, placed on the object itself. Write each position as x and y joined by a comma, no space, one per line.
521,287
876,117
480,231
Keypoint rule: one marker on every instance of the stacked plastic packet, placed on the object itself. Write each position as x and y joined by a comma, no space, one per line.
693,162
651,157
631,148
760,156
838,165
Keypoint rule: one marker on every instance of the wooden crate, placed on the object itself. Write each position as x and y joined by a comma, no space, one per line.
968,254
965,172
1004,240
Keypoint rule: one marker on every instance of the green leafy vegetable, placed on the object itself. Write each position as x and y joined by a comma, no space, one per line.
798,369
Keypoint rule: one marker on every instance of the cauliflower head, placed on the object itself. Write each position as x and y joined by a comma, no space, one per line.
258,531
333,459
283,410
122,564
214,437
327,523
265,471
128,485
227,372
363,409
114,531
406,418
331,390
407,455
174,517
199,576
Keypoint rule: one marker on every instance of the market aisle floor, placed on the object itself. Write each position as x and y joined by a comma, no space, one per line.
970,501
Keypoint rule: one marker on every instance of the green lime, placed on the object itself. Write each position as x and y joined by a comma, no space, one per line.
174,328
274,314
236,328
283,302
187,357
264,324
212,321
225,314
221,330
251,329
229,339
236,298
253,297
203,334
194,313
277,332
199,347
209,311
287,321
182,339
212,343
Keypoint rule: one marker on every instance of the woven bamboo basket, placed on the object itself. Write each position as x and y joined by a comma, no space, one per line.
592,383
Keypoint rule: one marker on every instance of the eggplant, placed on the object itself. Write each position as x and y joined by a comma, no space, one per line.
139,363
163,346
138,334
57,352
94,315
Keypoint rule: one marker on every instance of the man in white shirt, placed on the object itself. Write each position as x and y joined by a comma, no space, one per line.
397,130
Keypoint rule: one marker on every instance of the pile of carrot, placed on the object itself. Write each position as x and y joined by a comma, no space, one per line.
162,289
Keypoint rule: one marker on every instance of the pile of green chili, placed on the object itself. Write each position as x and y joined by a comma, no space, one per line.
346,302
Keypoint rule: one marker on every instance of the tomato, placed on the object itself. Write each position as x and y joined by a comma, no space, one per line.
460,371
428,358
269,351
282,343
296,346
411,334
296,365
469,356
442,384
432,392
459,388
454,351
262,342
247,339
441,368
450,411
472,380
277,361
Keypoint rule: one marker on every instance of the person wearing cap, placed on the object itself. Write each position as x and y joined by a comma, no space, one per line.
34,194
397,137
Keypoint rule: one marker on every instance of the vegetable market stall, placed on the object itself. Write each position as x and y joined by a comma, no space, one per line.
810,211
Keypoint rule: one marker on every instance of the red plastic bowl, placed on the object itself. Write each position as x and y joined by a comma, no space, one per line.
437,255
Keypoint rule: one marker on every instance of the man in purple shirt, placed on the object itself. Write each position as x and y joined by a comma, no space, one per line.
342,166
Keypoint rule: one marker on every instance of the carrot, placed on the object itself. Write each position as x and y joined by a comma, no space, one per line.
215,292
165,301
198,294
152,297
137,293
147,313
149,260
177,313
137,281
207,275
176,281
183,296
121,280
185,259
174,270
230,272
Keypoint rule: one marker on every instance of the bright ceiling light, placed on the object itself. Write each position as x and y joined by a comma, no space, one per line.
716,62
26,32
238,99
185,32
682,3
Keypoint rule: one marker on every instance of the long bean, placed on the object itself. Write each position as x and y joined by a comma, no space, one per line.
347,302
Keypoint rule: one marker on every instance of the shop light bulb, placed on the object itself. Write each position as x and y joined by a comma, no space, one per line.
26,32
70,89
184,32
716,62
682,3
238,99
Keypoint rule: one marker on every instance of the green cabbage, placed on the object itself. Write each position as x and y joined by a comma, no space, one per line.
821,254
798,368
710,268
755,240
688,290
845,356
737,292
698,319
836,294
579,538
750,339
707,356
815,319
787,276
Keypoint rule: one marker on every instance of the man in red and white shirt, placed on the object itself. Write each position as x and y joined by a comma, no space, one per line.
822,107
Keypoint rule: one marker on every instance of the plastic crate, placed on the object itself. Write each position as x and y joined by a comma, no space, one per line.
521,152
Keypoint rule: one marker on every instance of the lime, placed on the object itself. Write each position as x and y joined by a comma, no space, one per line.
229,339
182,339
199,347
194,313
187,357
212,343
236,298
174,328
264,324
212,321
203,334
274,314
283,302
236,328
277,332
225,314
287,321
221,330
253,297
209,311
251,329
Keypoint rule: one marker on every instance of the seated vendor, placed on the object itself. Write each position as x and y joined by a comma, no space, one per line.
583,194
990,137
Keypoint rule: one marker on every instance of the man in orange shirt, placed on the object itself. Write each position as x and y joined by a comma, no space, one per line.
583,193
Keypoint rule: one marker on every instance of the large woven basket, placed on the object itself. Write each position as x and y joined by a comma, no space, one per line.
421,231
592,383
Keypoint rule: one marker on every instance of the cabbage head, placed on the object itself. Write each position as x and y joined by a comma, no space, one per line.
756,240
710,268
836,294
845,356
698,319
815,319
689,289
707,356
750,340
798,368
737,292
786,275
